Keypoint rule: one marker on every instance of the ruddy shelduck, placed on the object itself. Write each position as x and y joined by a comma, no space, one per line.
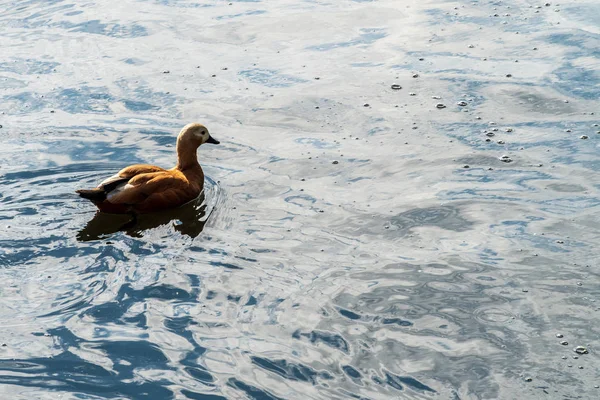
143,188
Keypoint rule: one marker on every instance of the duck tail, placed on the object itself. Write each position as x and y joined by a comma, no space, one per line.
95,195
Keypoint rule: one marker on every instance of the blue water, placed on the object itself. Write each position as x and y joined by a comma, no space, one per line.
353,241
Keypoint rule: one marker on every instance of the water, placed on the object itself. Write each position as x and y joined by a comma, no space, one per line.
393,273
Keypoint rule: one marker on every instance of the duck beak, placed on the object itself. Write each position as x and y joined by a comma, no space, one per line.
212,140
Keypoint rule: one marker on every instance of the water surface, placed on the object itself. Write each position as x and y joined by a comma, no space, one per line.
355,241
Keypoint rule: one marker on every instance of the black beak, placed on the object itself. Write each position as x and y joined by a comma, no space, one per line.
212,140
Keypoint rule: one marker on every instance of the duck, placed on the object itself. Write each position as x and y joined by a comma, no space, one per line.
144,188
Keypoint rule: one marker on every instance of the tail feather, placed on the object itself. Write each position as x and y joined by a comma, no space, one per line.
95,195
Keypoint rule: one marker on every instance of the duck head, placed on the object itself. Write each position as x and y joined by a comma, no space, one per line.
196,133
190,138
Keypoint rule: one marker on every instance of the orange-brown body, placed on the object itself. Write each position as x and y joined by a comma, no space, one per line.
143,188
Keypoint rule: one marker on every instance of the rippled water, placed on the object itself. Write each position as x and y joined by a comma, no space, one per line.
347,250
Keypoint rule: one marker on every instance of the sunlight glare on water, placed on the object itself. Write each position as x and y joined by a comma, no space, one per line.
403,204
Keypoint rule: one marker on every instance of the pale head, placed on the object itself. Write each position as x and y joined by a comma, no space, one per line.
188,141
196,133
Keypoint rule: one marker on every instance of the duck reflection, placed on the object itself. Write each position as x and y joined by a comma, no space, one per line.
189,219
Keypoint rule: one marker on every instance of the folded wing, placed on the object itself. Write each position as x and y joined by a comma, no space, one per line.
139,188
117,181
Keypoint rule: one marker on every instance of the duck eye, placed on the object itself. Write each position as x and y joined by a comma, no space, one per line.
203,132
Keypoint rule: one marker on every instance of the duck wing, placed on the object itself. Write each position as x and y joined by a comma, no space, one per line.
126,174
142,186
112,183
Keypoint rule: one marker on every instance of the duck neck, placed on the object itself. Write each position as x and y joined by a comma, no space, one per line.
186,155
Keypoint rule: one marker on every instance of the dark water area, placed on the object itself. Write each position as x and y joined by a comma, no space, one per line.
404,204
